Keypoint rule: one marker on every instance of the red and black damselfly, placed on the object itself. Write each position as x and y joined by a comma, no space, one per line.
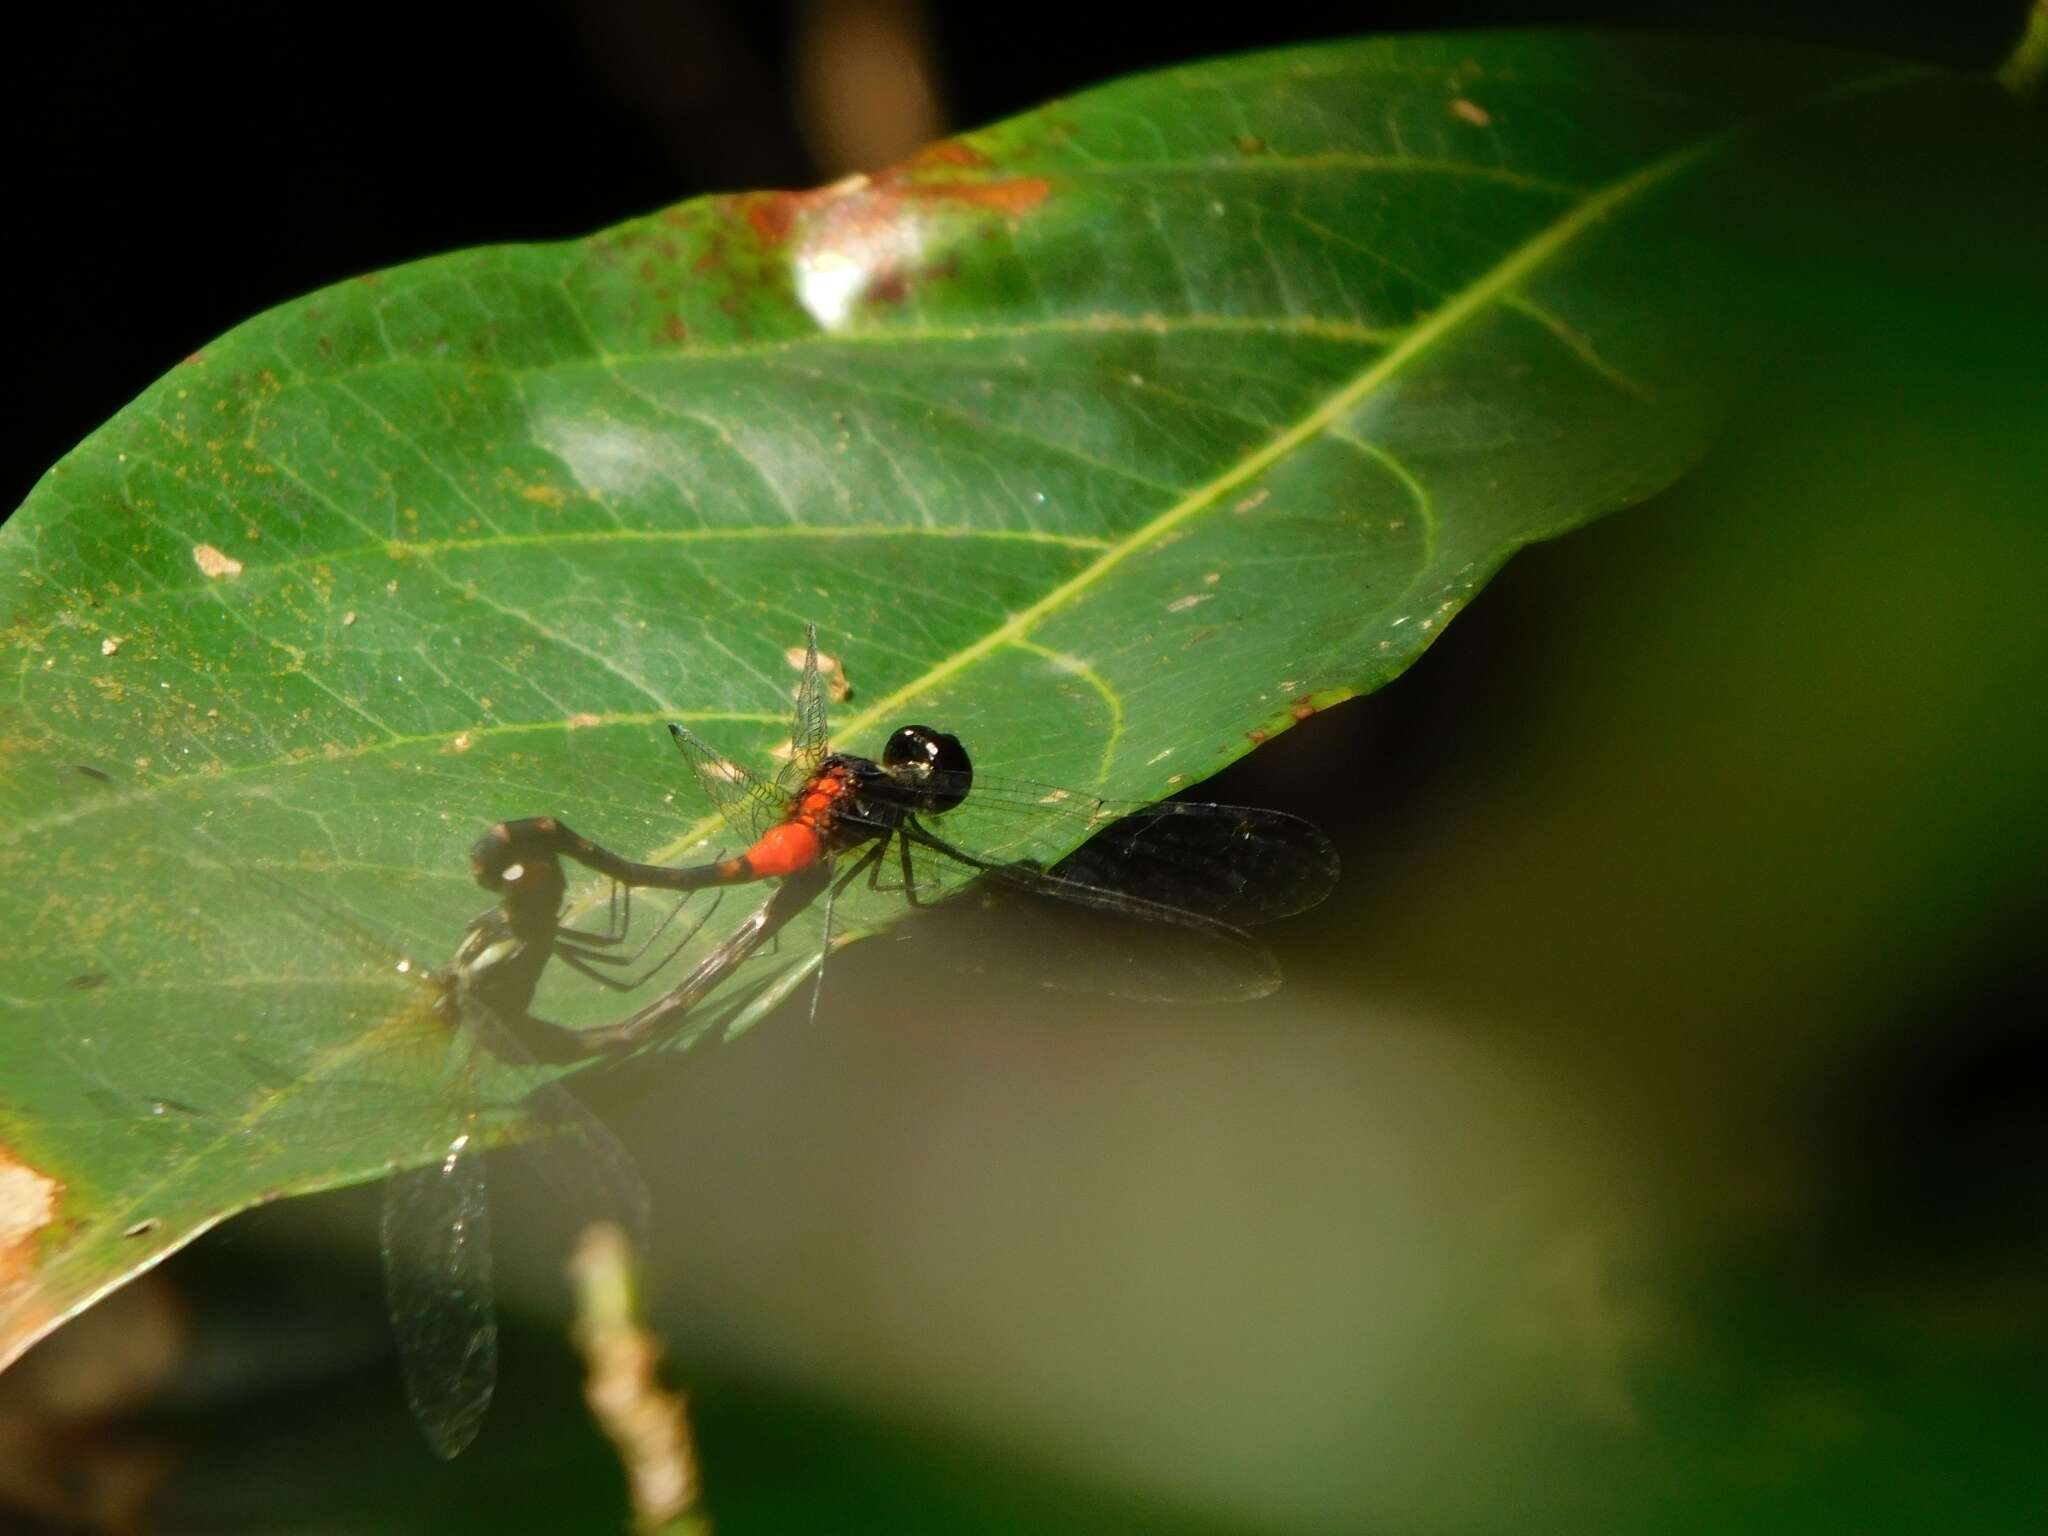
1168,888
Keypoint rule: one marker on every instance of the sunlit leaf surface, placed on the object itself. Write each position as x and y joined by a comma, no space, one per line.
1114,438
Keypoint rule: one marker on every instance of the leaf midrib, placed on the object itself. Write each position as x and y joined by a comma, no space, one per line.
1417,342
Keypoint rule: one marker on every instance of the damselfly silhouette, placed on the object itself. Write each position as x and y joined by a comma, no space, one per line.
1167,887
424,1045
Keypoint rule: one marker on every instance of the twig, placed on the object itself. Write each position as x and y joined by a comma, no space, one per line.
648,1424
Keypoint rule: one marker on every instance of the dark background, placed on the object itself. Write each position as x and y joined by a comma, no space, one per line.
1717,823
177,168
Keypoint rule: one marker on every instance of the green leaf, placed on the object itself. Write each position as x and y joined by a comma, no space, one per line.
1114,438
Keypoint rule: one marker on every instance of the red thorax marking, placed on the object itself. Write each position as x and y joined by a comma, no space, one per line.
799,842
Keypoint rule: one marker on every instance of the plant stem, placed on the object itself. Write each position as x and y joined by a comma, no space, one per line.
2022,70
648,1424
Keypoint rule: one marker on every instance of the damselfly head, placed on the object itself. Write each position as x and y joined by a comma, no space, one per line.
931,763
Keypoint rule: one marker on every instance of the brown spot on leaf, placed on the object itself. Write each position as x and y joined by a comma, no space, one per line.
773,215
1302,711
1470,111
1257,735
1014,196
953,152
861,206
28,1203
584,718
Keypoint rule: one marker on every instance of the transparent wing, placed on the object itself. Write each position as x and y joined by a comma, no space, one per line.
436,1243
573,1151
583,1162
376,949
807,732
749,805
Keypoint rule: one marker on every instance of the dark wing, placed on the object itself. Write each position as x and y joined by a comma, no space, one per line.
1234,864
436,1241
1150,905
749,805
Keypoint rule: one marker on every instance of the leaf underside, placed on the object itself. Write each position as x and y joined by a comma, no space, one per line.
1114,439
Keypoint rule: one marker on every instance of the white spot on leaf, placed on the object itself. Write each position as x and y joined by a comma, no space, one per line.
214,563
830,670
28,1203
